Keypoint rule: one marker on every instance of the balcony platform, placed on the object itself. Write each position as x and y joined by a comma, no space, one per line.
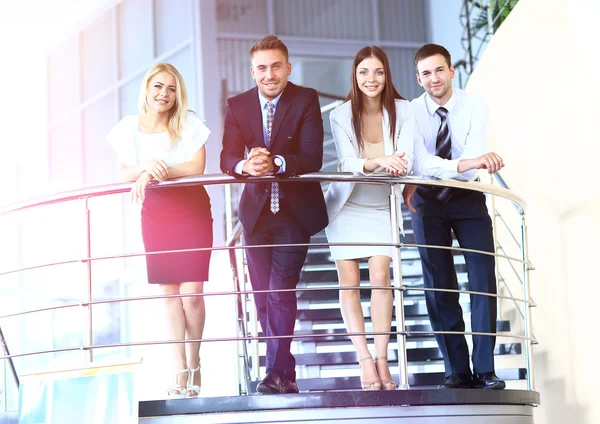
410,406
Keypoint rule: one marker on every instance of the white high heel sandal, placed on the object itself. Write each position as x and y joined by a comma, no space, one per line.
193,390
177,391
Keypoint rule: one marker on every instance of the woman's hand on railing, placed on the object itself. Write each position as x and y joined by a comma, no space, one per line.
138,191
158,169
394,164
408,194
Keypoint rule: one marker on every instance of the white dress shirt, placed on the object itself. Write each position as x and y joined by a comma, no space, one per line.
467,122
263,107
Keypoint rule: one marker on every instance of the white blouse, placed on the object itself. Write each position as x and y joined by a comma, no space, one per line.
134,147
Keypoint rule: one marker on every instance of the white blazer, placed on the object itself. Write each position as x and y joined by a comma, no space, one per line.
350,159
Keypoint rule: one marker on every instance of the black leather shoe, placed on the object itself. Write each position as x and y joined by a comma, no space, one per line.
288,386
269,385
458,381
489,380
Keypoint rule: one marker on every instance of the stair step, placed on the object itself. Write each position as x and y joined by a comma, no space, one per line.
326,272
416,310
421,354
365,293
335,334
414,380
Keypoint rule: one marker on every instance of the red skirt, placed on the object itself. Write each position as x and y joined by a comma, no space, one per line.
176,218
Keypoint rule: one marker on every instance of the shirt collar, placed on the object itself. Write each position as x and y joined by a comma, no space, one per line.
263,100
432,106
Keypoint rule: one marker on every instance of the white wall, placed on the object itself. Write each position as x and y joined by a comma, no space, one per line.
539,78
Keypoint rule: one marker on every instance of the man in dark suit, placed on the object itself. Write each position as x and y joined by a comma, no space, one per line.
452,144
279,124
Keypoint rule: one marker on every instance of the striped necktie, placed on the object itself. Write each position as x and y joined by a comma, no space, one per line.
274,186
443,143
443,149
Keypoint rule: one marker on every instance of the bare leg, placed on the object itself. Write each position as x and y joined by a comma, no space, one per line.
195,315
381,310
175,331
352,313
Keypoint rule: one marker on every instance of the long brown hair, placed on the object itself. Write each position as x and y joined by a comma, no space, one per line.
388,95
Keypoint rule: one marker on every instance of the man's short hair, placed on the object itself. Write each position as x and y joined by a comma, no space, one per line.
429,50
270,42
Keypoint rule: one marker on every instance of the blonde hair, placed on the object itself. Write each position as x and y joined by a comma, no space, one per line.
178,113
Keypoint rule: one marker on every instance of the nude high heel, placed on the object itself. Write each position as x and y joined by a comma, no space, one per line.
369,385
385,385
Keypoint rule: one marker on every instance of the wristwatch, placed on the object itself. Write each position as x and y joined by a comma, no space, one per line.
277,164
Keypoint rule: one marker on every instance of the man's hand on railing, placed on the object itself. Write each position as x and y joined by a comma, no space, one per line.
259,162
490,161
408,194
138,191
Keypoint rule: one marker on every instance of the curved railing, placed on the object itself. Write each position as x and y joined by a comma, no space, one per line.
84,194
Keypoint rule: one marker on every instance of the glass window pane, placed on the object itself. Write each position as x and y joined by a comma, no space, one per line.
403,20
130,94
65,155
100,160
135,36
172,24
62,88
338,19
242,16
403,71
98,56
234,65
183,62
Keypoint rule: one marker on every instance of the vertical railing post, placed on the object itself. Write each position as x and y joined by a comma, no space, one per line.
496,245
526,306
252,328
10,361
395,218
88,283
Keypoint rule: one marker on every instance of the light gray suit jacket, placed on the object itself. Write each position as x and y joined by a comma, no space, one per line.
350,159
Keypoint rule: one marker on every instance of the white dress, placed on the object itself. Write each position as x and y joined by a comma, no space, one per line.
364,218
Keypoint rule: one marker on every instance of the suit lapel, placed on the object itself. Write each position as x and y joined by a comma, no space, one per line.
282,107
255,117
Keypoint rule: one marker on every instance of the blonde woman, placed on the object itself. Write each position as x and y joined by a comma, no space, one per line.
373,132
163,142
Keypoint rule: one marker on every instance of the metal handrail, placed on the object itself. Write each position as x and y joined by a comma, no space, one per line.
216,179
399,288
264,338
233,247
238,292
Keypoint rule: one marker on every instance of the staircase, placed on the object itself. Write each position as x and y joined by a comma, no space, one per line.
327,360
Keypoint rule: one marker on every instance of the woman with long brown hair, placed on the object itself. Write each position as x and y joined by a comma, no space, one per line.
373,132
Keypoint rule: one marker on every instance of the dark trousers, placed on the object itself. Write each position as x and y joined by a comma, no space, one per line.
466,214
277,268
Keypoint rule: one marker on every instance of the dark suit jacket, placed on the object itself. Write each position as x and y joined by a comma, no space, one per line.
297,135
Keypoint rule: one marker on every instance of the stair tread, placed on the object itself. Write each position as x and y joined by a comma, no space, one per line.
414,380
413,355
331,334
